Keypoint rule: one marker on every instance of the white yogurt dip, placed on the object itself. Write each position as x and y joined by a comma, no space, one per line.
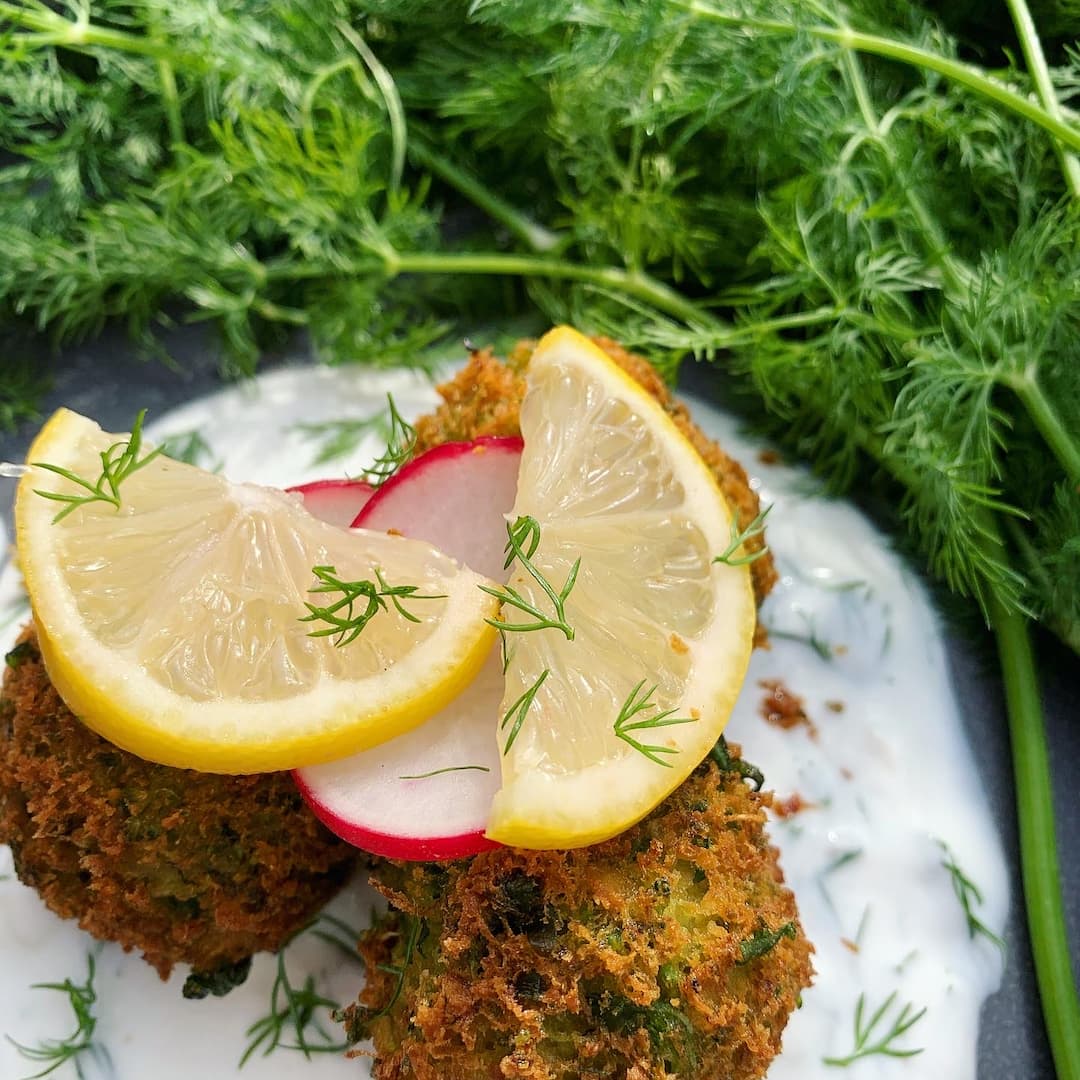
888,791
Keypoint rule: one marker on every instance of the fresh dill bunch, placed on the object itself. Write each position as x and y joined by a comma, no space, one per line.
879,253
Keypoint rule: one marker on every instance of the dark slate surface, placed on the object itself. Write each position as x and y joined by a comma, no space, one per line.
108,381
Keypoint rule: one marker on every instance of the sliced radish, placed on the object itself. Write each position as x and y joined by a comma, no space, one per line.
335,501
455,496
395,800
426,795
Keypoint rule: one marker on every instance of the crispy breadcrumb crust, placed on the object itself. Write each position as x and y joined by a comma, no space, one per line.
484,398
185,866
673,950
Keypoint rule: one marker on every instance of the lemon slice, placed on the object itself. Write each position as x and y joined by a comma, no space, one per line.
657,624
172,623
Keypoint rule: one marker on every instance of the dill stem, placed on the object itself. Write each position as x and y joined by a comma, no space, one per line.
1068,630
170,99
966,75
1038,843
954,274
1045,417
538,238
635,284
1044,85
54,29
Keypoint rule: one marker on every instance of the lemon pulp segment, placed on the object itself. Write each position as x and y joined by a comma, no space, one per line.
172,624
612,482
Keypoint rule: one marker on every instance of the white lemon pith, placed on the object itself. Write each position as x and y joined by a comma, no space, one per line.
611,480
171,625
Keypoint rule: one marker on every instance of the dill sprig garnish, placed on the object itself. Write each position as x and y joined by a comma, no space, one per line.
730,555
969,895
416,931
400,447
811,638
118,462
447,769
515,715
295,1010
53,1053
346,623
637,702
523,540
337,439
901,1024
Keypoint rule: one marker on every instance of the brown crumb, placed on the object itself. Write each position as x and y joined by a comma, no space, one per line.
783,709
849,945
792,805
834,706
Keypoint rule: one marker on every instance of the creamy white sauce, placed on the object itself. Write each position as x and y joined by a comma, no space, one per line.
889,777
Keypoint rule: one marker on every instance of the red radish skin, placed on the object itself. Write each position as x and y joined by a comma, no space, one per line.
366,800
443,497
334,501
386,800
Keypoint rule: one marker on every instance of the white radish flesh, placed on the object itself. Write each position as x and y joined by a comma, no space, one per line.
334,501
455,496
426,795
396,801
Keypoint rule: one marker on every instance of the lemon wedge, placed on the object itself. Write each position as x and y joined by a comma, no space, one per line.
597,729
171,623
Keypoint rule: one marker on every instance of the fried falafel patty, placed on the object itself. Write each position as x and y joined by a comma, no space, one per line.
187,867
672,950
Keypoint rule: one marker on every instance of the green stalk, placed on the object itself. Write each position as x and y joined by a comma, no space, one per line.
54,30
956,276
1045,417
1066,629
1044,85
170,98
520,225
966,75
633,283
1038,842
630,283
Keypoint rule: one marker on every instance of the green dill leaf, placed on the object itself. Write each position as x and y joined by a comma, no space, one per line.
730,555
191,448
524,533
867,1029
728,763
118,462
337,439
516,713
295,1010
346,622
637,702
970,896
448,769
54,1053
400,447
763,941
